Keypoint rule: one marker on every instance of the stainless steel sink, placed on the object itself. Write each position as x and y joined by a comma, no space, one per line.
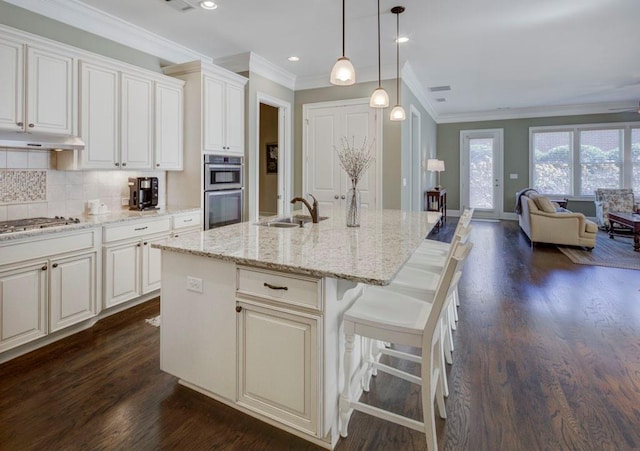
290,221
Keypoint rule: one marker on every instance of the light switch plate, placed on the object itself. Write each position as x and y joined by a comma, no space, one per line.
513,176
124,201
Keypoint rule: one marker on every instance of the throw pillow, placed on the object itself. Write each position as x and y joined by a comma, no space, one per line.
545,204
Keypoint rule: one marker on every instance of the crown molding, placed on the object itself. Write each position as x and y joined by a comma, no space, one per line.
92,20
409,77
524,113
252,62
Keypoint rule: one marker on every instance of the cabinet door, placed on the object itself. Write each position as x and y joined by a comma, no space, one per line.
22,305
121,273
11,84
151,265
137,121
72,296
99,116
213,122
234,118
50,92
169,124
278,363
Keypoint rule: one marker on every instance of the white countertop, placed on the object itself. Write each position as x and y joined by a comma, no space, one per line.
88,221
372,253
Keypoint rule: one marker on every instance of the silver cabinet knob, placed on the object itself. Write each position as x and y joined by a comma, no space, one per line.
343,197
336,197
124,164
117,164
31,125
20,124
157,165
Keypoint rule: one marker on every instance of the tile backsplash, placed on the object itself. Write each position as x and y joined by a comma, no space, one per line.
30,186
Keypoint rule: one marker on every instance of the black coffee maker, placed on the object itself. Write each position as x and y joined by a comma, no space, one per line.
143,193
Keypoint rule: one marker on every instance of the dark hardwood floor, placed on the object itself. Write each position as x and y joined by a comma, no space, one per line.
547,357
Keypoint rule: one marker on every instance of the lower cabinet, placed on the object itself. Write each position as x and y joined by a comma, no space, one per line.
23,305
46,296
73,292
131,269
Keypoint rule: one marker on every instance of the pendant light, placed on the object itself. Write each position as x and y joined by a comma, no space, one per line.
343,73
397,113
379,98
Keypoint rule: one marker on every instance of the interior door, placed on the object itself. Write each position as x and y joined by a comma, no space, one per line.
481,181
325,128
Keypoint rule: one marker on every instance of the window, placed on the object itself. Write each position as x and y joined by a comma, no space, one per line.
576,160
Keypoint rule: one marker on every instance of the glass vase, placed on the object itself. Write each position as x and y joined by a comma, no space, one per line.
353,207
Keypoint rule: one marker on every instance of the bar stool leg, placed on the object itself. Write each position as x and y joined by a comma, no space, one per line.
345,398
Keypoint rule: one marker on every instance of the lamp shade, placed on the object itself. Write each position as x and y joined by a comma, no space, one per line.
343,73
379,99
398,114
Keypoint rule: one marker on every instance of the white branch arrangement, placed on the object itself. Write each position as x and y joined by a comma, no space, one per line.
355,160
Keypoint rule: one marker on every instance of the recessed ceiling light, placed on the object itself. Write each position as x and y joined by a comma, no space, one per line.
208,4
293,59
402,40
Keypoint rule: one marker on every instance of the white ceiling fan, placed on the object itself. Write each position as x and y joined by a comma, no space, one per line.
627,109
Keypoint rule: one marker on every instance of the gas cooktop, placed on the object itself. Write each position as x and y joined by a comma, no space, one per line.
20,225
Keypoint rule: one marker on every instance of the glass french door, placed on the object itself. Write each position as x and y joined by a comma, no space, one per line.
481,181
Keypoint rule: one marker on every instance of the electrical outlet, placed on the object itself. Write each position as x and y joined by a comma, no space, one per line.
194,284
125,201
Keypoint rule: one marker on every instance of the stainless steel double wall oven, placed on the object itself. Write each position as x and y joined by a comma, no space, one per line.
223,190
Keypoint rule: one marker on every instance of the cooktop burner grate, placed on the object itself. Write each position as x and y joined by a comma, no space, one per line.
21,225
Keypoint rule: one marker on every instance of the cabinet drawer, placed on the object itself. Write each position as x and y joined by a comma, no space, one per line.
45,245
294,290
182,221
136,229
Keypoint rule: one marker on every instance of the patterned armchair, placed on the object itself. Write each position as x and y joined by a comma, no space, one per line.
613,200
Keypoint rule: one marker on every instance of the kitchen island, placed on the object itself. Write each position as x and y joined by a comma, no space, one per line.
251,314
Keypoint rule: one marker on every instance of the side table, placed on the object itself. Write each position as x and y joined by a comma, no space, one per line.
436,200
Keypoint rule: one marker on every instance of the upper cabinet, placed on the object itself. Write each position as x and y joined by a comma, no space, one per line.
169,125
37,89
137,120
219,96
223,116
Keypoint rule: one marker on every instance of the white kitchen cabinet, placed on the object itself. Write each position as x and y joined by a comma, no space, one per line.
131,267
137,121
72,290
223,116
11,84
279,364
23,306
168,126
99,115
38,90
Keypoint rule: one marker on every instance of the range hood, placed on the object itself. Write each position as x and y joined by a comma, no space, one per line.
38,140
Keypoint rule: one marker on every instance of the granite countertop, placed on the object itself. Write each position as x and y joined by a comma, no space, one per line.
372,253
88,221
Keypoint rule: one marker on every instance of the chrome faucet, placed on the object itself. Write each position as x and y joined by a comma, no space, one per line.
313,211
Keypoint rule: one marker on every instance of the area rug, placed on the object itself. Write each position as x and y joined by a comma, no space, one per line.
616,253
155,321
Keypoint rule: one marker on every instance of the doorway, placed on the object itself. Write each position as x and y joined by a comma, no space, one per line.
270,162
481,153
268,166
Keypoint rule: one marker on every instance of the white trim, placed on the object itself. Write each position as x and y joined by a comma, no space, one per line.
408,76
253,62
498,171
522,113
415,187
93,20
284,145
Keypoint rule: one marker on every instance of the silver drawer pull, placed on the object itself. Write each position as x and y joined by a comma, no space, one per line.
142,228
275,287
188,220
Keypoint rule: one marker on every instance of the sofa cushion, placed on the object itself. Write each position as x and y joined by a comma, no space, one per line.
619,202
591,226
545,204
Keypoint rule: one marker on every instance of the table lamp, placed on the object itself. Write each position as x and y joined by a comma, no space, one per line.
434,165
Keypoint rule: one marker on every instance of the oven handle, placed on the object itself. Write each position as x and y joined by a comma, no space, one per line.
222,192
224,166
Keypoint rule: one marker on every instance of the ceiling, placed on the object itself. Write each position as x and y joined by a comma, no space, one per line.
497,55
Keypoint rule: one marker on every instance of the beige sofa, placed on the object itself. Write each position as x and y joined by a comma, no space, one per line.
541,226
